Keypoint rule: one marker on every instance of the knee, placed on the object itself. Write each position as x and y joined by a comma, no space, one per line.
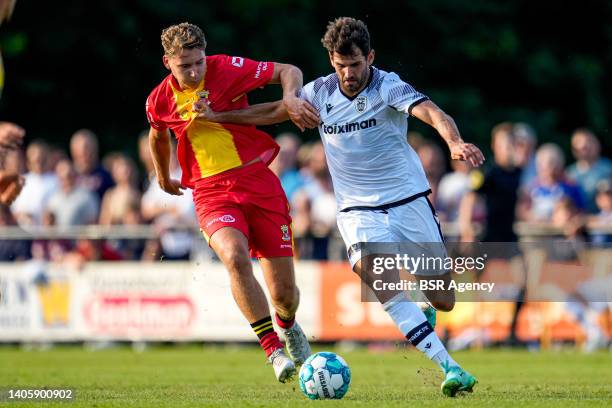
235,259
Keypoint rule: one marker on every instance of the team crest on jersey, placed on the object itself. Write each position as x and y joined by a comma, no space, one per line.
237,61
285,231
203,94
361,103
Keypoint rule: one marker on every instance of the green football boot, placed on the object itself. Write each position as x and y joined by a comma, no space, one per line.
457,379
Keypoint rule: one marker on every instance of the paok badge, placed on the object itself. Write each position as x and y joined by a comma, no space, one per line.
361,103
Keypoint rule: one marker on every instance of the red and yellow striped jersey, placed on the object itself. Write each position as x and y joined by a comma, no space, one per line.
206,148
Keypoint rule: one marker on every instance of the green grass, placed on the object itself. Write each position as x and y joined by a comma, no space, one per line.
191,376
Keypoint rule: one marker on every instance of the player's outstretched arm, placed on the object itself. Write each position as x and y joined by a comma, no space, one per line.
300,112
159,142
262,114
435,117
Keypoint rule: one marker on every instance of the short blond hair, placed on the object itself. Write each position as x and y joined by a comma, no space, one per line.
182,36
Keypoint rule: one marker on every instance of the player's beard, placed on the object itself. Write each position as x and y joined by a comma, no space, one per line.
355,85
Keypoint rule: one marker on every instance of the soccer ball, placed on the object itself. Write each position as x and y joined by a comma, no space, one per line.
325,375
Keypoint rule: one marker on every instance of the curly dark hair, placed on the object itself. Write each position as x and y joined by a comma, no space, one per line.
343,33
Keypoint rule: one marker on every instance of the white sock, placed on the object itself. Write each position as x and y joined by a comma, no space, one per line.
444,360
411,321
423,305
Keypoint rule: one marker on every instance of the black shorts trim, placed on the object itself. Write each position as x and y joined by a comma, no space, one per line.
385,207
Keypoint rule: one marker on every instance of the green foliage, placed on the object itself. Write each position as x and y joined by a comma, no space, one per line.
92,64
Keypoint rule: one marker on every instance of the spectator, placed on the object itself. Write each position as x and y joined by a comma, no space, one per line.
118,200
453,186
52,250
11,249
90,174
130,249
12,166
285,164
144,154
434,165
169,214
603,198
499,188
568,218
550,187
40,185
525,142
589,168
72,205
14,161
315,206
11,135
56,155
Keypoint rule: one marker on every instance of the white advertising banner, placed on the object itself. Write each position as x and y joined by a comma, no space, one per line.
162,301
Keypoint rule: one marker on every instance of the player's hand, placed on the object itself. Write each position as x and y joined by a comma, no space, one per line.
466,152
11,135
202,106
10,187
303,114
171,186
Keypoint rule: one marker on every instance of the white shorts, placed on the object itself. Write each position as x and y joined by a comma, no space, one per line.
414,222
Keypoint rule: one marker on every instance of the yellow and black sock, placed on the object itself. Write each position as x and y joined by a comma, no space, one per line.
264,329
263,326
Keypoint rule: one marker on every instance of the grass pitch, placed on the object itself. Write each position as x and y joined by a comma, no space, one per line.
192,376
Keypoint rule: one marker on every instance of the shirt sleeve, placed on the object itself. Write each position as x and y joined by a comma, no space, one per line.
310,95
152,117
245,75
307,92
399,94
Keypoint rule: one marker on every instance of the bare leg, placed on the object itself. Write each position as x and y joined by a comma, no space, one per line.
280,278
232,248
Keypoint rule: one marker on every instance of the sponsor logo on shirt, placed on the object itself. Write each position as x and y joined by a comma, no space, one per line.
237,61
336,129
262,66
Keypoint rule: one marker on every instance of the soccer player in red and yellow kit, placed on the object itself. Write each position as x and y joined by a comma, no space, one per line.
239,202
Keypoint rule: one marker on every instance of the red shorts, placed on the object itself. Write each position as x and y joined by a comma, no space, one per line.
252,200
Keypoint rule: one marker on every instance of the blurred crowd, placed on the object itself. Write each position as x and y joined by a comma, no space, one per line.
77,189
520,182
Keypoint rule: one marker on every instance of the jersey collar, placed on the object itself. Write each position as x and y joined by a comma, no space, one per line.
177,87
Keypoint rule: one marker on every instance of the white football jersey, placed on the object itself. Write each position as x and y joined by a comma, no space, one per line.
369,158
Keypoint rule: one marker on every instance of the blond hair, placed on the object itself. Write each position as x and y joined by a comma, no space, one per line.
182,36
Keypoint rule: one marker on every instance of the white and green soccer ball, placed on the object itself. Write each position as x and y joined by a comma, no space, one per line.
325,375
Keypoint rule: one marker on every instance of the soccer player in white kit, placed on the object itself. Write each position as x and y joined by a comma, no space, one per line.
379,182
